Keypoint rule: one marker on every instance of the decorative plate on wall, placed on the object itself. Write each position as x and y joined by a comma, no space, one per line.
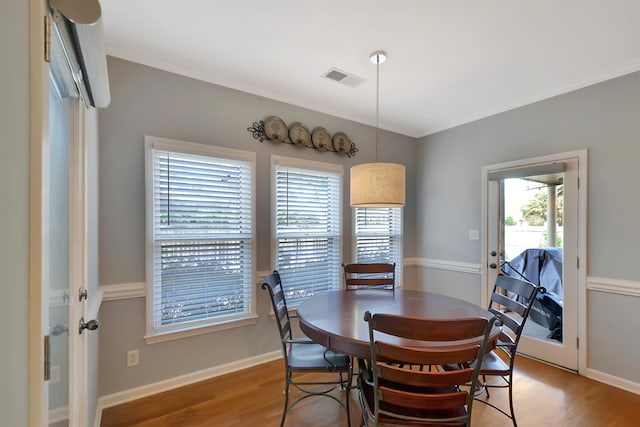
321,139
341,143
275,129
299,134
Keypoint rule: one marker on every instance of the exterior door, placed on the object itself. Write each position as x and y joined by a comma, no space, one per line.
533,231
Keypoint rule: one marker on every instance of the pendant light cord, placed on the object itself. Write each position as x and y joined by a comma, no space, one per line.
377,101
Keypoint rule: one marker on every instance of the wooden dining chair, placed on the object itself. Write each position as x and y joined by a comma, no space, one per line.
511,301
393,393
304,356
369,276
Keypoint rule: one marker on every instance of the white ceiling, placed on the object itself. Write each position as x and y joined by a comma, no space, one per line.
449,61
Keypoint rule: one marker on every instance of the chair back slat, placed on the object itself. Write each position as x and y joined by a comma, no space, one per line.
509,303
429,329
397,397
426,378
371,275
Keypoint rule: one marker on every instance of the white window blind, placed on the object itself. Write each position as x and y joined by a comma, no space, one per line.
201,235
378,237
307,226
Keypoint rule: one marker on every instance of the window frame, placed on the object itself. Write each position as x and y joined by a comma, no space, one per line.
314,166
153,333
400,236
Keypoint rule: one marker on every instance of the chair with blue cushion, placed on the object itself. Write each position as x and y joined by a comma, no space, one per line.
304,356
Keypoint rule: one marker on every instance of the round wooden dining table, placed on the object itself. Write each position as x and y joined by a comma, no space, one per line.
336,319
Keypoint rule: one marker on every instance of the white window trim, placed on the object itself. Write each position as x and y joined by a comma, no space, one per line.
399,264
151,142
302,164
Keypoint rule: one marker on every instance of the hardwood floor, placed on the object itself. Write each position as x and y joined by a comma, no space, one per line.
543,396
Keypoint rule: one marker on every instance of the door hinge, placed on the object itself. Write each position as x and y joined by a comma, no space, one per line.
47,38
47,359
578,263
577,342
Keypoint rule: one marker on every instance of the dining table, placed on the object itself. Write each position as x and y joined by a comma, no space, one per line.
335,319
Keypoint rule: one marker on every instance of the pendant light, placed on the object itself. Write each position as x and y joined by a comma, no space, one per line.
378,185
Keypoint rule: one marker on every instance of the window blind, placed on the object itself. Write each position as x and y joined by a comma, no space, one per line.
307,230
378,236
202,239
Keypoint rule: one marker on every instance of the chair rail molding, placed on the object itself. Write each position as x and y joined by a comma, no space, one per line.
613,286
123,291
442,264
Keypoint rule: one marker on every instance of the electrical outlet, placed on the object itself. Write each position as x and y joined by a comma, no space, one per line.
133,358
474,234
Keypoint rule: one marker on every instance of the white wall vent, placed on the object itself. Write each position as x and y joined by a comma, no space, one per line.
343,77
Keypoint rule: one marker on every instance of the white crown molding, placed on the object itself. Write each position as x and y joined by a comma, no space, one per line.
441,264
180,381
613,286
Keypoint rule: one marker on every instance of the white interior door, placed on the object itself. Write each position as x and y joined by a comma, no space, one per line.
63,247
514,242
57,247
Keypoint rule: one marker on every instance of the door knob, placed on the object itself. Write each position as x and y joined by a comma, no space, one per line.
493,265
91,325
493,253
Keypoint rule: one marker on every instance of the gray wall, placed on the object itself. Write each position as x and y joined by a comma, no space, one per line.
147,101
603,118
14,210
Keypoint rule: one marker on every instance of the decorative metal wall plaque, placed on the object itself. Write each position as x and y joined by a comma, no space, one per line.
275,129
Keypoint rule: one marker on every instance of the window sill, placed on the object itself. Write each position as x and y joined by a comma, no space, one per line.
185,333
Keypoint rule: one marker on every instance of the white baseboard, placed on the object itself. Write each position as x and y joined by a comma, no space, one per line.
612,380
180,381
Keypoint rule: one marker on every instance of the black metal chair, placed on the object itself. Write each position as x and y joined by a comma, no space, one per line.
393,393
305,356
369,276
511,302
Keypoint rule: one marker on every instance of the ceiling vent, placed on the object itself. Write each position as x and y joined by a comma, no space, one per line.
343,77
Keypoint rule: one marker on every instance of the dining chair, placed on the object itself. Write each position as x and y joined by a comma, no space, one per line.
369,276
393,392
511,302
304,356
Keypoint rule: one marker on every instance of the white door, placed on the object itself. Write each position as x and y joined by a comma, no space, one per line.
63,248
544,249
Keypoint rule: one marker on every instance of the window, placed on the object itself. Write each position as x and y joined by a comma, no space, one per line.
307,226
200,229
378,237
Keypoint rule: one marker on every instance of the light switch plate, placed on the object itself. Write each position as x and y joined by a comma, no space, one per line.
474,234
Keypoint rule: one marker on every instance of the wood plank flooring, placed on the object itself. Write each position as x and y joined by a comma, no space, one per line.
543,396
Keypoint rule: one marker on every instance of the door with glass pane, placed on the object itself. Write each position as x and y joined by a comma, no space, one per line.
64,247
57,247
533,234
